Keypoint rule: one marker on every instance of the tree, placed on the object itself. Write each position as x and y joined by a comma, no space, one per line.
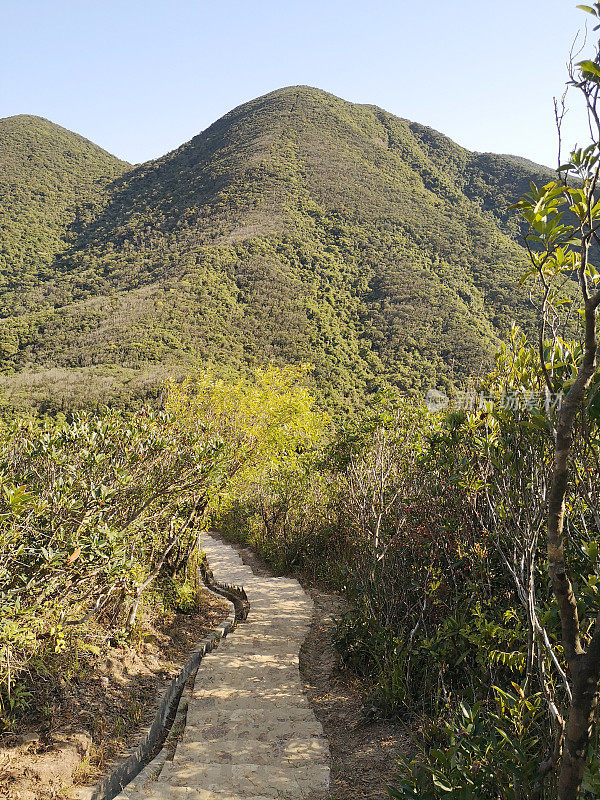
564,220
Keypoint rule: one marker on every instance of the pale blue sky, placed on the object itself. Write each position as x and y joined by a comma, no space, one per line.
140,78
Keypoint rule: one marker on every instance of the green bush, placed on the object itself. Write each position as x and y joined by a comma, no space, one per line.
486,753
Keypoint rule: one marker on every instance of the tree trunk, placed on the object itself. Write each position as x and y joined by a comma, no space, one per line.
583,667
579,727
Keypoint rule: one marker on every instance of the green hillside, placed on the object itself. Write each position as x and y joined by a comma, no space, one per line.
299,227
50,179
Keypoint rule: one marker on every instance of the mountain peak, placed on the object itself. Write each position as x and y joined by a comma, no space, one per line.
23,131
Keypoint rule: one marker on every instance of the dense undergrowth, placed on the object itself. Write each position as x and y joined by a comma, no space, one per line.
427,522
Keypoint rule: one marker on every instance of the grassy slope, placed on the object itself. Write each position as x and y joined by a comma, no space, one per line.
297,227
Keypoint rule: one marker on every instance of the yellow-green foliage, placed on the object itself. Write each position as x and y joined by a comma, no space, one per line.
266,422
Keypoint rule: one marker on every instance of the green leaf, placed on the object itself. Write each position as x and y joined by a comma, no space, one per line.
443,786
590,68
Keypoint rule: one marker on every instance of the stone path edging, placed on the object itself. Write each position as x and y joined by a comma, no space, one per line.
144,761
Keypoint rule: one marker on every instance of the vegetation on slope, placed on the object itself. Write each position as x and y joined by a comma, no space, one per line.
298,227
51,179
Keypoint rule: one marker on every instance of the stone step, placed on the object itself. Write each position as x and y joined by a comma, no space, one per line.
182,793
250,714
251,780
276,670
235,696
293,751
265,731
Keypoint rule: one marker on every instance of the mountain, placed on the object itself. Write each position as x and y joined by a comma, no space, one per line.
299,227
49,179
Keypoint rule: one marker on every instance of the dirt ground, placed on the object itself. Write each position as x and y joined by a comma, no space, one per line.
80,726
364,751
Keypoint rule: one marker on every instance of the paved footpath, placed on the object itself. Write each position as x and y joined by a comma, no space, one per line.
250,732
